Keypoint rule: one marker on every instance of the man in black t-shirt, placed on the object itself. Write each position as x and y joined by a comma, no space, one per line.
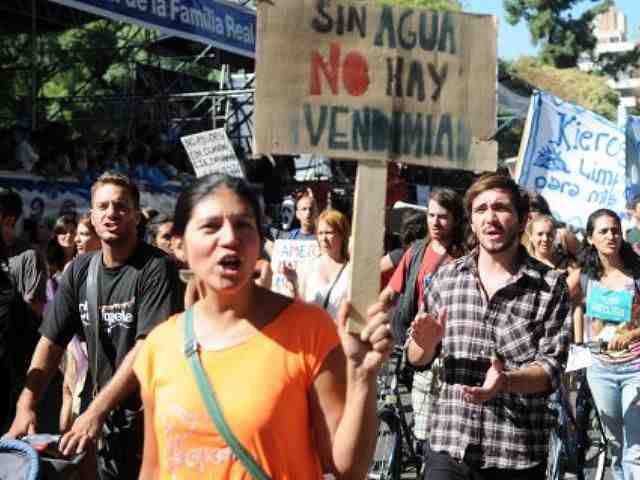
136,289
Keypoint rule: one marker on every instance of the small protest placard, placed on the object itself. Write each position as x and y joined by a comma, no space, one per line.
579,358
610,305
212,152
295,253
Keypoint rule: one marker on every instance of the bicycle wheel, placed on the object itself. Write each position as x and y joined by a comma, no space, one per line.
596,456
595,452
555,462
387,460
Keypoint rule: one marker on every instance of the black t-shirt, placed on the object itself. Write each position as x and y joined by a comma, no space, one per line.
133,298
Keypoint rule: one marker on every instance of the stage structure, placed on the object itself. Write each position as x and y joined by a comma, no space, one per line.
170,80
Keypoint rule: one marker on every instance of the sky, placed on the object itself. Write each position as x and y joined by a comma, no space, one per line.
514,41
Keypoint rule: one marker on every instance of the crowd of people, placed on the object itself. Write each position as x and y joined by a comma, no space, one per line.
177,360
152,157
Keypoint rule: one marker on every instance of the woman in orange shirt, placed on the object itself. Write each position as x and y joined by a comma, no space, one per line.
298,395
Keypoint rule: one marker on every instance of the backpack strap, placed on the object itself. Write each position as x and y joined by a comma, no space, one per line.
97,357
584,285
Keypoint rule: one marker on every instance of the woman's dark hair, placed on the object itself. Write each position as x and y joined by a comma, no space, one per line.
207,185
55,257
154,225
414,227
452,203
538,204
590,260
63,223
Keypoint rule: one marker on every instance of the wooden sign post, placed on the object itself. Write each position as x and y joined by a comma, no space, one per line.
368,234
375,83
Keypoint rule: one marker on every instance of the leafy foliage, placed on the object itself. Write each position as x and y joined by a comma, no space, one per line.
587,90
79,70
551,24
428,4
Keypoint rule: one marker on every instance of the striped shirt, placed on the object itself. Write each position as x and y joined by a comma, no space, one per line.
526,322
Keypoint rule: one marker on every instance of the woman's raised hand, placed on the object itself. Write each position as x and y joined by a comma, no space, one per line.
368,350
289,272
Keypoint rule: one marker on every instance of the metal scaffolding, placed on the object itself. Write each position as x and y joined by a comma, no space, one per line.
169,80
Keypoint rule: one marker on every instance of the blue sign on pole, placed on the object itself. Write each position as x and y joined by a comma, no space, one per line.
575,159
225,25
633,156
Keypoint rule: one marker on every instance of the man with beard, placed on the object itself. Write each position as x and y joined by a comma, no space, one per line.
411,280
443,243
135,286
499,320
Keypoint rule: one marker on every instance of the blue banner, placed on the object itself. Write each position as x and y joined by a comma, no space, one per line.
633,156
46,200
575,159
225,25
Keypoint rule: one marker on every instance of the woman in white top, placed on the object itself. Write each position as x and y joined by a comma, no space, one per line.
541,233
325,280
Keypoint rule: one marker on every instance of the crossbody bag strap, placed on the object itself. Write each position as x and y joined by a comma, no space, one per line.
92,307
335,280
211,402
99,356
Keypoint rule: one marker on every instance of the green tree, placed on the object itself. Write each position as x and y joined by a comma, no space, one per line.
552,24
428,4
585,89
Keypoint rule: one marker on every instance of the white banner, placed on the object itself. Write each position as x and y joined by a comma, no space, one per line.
574,158
212,152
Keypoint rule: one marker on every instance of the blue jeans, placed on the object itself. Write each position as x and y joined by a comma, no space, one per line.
616,394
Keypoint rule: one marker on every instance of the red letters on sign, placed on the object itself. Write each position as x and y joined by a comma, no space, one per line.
355,72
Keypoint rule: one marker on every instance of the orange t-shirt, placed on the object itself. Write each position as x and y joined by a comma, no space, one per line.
262,386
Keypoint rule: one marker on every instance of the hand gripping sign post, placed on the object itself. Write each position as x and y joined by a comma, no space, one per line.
360,81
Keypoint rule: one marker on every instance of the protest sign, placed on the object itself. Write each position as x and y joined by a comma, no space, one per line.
375,83
294,253
610,305
574,158
633,156
211,152
364,81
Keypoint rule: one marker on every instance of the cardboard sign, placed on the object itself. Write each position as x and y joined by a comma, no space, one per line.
574,158
357,80
609,305
212,152
295,253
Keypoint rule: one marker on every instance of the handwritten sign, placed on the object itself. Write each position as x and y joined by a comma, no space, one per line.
574,158
295,253
376,82
211,152
610,305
